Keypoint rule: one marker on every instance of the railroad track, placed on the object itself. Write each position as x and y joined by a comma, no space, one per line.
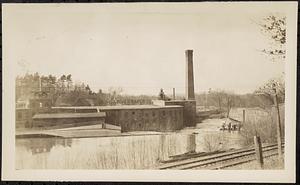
219,160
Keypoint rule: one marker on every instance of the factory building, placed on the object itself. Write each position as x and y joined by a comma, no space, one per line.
145,117
161,115
136,117
188,108
189,104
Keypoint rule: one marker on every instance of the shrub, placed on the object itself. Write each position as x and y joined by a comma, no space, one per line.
213,142
262,123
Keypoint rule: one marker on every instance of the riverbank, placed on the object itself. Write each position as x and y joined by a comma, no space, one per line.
79,132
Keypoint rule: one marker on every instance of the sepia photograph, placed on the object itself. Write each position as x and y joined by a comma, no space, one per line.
149,91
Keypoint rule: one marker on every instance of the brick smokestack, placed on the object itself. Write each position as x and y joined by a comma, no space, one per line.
189,83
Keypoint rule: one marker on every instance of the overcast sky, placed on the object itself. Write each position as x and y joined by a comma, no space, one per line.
141,48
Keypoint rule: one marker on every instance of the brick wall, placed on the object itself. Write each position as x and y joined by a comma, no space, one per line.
189,111
156,119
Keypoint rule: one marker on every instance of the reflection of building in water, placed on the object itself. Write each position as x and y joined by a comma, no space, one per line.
45,145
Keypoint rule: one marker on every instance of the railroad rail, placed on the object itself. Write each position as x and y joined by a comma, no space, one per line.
218,160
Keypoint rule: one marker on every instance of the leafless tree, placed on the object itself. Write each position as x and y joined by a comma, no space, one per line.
274,28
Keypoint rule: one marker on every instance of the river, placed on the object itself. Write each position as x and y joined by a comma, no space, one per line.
124,152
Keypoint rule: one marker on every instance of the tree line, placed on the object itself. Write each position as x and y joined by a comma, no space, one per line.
32,86
35,85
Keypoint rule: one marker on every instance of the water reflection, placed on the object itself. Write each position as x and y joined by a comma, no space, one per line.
130,152
37,145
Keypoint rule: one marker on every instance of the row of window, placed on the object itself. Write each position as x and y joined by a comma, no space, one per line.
149,124
153,113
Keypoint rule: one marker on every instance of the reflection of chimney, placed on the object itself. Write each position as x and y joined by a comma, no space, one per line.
189,86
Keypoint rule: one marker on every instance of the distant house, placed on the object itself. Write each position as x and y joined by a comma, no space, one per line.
22,102
28,106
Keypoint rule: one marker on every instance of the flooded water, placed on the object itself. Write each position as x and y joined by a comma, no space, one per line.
126,152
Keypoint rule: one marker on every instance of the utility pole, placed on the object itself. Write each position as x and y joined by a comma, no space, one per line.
279,142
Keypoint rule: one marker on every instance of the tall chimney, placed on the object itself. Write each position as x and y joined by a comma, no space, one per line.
40,84
189,83
173,93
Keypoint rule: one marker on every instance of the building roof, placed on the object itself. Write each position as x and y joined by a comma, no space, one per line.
69,115
180,100
120,107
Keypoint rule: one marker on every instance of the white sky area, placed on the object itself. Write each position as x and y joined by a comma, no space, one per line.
140,47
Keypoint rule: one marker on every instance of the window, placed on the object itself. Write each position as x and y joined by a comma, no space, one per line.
164,113
133,112
153,113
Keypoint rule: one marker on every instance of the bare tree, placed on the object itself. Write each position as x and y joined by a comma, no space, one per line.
224,99
274,28
267,90
213,142
229,102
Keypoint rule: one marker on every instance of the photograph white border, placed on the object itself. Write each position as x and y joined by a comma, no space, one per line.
287,175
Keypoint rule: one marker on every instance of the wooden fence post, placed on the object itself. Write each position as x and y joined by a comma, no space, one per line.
258,151
191,143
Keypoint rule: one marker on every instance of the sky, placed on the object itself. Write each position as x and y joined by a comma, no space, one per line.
141,47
